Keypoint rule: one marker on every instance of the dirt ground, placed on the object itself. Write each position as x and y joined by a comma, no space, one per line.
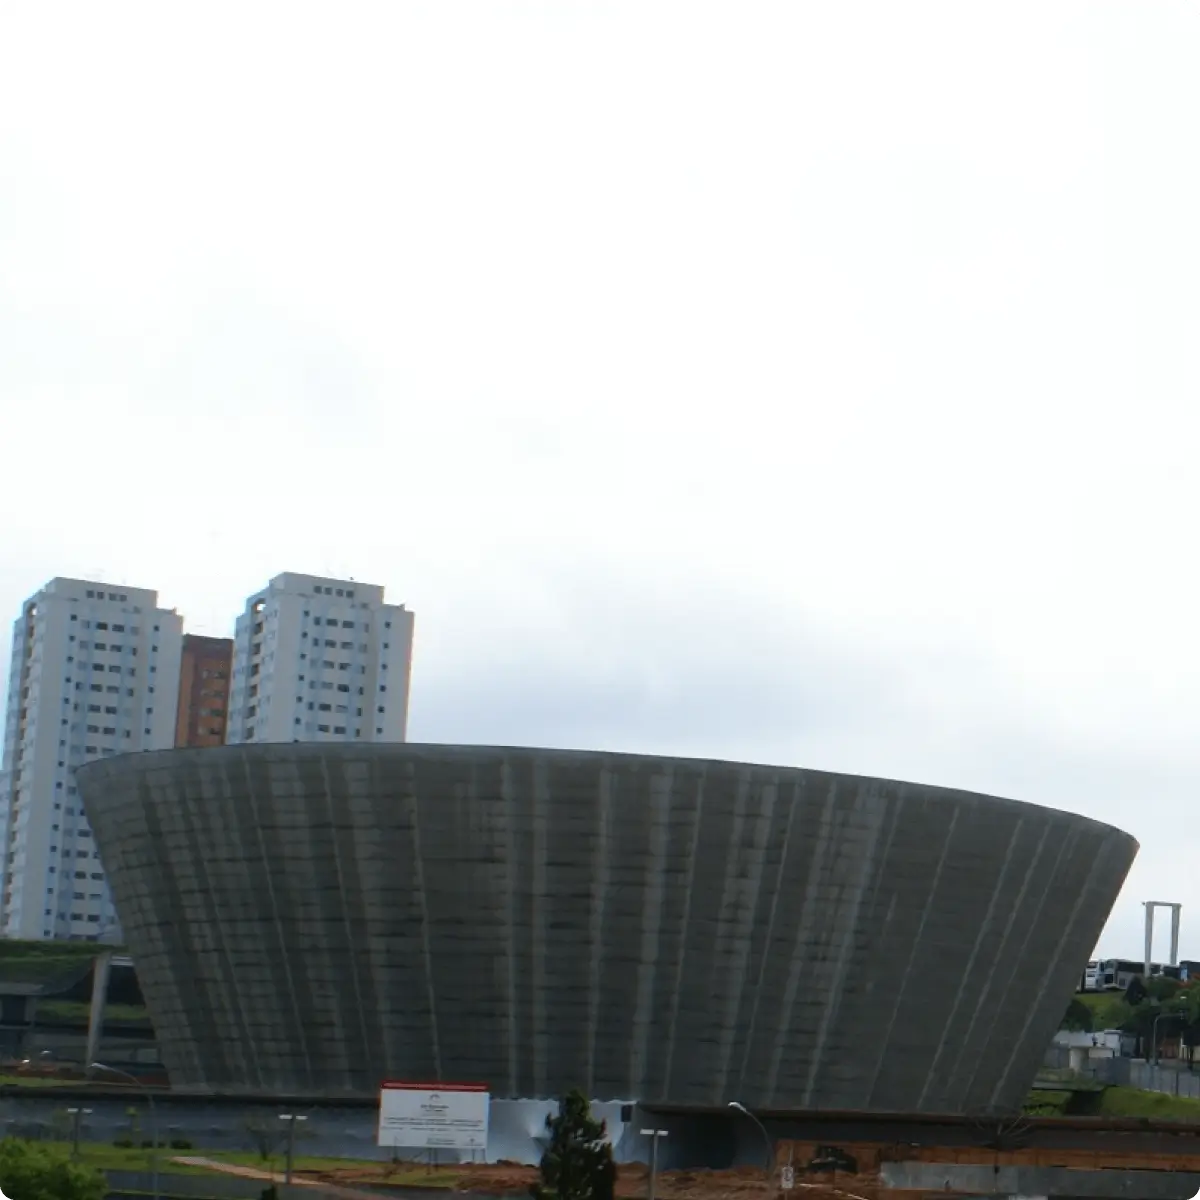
633,1181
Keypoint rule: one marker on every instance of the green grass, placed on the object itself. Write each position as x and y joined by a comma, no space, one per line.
80,1010
1109,1009
44,962
1112,1102
106,1157
38,1081
1047,1104
1132,1102
13,949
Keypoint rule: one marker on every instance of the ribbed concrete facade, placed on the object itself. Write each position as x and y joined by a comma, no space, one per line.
313,919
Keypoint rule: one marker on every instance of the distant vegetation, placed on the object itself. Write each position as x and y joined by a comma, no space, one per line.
1135,1012
1114,1102
63,971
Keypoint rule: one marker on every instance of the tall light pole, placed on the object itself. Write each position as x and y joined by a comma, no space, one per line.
137,1083
653,1135
291,1119
1154,1032
770,1143
77,1115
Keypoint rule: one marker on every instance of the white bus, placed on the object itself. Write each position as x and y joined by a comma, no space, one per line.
1116,974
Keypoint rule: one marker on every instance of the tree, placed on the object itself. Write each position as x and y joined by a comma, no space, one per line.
1077,1017
265,1137
29,1171
1162,987
1136,992
578,1163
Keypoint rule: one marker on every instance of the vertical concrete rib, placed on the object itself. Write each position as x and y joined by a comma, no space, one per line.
509,796
983,934
999,959
859,890
539,1033
599,895
355,961
1060,962
769,940
418,868
697,815
645,1028
914,946
811,913
276,921
738,906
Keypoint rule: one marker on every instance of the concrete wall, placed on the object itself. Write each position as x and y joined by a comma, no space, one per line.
1038,1181
315,918
1134,1072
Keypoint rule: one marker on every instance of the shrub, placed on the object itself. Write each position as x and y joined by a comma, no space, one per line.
33,1172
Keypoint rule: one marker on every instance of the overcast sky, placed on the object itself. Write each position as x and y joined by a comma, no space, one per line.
805,383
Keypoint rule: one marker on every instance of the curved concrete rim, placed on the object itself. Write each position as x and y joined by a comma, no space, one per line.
138,762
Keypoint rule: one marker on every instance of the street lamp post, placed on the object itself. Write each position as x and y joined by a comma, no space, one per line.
137,1083
291,1119
1154,1032
653,1135
77,1115
767,1137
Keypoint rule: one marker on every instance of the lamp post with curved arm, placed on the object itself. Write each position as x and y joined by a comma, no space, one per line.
137,1083
767,1137
1154,1032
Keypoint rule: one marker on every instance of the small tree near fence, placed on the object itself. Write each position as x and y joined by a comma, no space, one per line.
578,1163
32,1172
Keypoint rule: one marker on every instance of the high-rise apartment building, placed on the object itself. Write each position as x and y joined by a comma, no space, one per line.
320,660
95,671
205,672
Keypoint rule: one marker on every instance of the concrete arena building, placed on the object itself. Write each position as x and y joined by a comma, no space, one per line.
311,919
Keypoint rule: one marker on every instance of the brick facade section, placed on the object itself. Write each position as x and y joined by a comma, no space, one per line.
206,665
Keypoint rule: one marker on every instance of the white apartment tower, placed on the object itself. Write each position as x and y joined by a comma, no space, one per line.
320,660
95,671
